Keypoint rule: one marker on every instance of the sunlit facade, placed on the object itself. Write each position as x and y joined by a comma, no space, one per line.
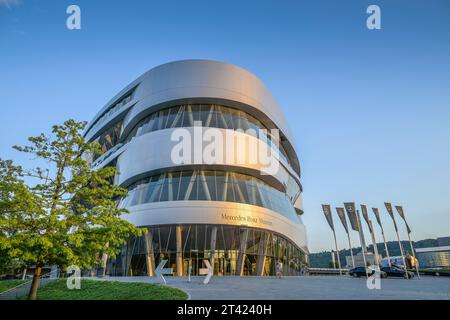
242,218
434,257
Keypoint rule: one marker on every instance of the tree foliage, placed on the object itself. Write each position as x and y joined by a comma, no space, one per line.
66,213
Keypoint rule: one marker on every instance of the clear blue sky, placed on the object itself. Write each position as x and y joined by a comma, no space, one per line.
370,110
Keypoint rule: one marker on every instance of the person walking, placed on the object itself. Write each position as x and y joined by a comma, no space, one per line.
279,268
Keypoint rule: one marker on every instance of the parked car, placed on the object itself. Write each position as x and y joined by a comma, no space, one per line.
361,272
394,271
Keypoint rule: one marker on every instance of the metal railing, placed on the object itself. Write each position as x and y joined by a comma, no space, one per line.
23,288
326,271
106,155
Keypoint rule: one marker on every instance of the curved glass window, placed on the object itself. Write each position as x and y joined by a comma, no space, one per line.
111,110
210,186
263,251
211,115
108,139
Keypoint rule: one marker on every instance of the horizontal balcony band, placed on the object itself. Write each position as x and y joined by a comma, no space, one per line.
147,106
216,212
109,156
97,129
141,157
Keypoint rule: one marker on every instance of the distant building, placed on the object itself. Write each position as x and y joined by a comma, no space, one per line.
434,257
359,260
443,241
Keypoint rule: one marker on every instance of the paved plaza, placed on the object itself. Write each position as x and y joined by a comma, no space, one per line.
308,287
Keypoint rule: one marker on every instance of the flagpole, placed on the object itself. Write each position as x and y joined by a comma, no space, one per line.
327,212
374,242
337,253
370,225
414,256
385,246
341,215
391,213
351,250
355,222
377,215
401,250
408,231
363,242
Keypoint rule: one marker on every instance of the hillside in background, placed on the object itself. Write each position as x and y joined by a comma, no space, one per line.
323,259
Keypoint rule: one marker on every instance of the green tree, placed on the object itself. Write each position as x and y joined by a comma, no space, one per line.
15,200
68,214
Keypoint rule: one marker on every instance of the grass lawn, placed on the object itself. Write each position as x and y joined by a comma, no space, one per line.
108,290
8,284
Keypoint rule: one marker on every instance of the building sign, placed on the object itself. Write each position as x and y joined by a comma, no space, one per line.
246,219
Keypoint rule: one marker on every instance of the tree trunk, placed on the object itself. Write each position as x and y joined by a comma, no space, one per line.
35,284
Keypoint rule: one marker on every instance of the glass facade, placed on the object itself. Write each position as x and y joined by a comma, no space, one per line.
108,139
184,116
434,259
232,250
210,186
211,115
265,227
111,110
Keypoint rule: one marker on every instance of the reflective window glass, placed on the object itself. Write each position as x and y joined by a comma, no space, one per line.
209,185
210,115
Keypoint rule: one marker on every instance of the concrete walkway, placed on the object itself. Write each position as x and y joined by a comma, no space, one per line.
312,287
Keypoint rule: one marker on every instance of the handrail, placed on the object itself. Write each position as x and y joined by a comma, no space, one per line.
27,282
327,269
106,155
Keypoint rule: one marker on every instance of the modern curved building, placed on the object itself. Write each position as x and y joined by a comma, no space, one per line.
236,213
